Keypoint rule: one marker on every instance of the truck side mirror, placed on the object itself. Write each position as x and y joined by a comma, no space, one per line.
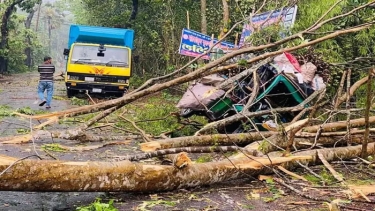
66,52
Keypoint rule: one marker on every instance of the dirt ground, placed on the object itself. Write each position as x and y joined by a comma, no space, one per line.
19,92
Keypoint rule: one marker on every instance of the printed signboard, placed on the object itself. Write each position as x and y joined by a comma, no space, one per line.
194,44
286,17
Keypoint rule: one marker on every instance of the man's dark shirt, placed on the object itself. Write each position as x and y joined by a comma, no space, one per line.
46,72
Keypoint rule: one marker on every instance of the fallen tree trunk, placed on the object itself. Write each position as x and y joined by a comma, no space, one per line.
302,140
206,140
162,152
276,142
336,126
32,175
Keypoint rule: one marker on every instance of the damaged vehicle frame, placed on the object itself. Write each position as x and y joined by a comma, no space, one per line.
276,89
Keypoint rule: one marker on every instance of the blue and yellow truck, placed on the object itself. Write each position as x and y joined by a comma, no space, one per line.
98,60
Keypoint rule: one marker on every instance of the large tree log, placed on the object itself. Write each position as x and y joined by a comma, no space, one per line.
336,126
32,175
207,140
158,153
277,142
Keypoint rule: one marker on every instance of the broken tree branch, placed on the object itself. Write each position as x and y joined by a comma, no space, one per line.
143,134
207,140
158,153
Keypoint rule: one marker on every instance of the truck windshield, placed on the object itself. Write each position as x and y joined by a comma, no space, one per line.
85,54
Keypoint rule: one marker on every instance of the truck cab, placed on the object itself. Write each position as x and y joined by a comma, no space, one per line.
98,60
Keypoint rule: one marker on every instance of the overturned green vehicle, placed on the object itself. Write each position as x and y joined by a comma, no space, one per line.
276,89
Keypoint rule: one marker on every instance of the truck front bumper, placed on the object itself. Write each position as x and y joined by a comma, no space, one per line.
97,88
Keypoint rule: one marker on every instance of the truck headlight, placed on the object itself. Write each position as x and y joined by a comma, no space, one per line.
121,81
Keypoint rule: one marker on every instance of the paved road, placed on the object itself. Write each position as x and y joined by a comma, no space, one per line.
19,91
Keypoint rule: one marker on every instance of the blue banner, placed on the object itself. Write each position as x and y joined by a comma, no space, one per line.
285,17
194,44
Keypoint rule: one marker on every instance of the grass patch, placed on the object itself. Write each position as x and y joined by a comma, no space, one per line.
276,193
23,131
155,116
98,206
311,178
28,111
59,98
324,173
5,111
204,159
53,147
79,102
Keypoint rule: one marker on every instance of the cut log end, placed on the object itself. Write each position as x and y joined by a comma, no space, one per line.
180,160
150,146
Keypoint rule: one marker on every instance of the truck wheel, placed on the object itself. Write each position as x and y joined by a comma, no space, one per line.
70,93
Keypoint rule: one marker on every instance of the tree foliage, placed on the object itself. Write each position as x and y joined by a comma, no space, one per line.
159,23
158,26
35,31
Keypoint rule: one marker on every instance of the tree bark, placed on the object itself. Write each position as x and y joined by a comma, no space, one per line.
336,126
225,20
28,49
277,142
203,17
158,153
43,175
207,140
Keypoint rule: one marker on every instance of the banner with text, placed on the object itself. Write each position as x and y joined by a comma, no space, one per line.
194,44
285,17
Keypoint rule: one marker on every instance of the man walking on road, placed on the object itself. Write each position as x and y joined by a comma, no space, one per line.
46,70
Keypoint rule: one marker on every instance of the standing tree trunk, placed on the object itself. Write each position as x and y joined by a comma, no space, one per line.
5,33
37,17
224,28
203,17
28,51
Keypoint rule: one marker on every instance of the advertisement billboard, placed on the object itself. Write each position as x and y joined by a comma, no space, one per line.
285,17
195,44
